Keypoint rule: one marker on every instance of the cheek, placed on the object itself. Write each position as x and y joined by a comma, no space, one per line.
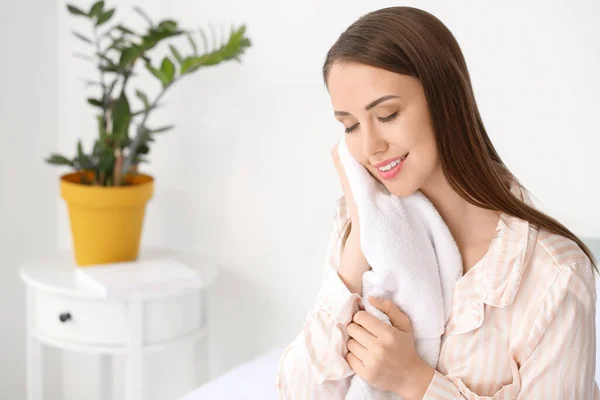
421,138
425,152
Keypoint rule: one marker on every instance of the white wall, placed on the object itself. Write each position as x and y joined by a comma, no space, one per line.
252,143
28,188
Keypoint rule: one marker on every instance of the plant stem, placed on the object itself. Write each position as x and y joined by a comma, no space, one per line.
105,96
126,75
140,130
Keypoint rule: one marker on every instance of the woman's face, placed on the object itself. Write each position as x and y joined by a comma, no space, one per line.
386,118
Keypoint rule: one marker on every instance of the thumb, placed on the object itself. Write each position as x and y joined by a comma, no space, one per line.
398,319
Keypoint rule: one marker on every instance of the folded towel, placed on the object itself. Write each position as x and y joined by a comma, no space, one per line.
414,261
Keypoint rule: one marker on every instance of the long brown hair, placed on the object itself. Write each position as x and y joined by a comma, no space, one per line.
413,42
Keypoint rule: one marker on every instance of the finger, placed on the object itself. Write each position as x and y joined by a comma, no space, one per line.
358,350
356,365
398,319
334,151
361,335
372,324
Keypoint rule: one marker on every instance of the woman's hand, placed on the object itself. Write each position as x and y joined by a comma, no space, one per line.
385,355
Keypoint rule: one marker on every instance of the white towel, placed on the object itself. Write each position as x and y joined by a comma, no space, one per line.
414,262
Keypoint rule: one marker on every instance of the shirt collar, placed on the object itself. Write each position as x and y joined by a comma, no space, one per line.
497,277
508,255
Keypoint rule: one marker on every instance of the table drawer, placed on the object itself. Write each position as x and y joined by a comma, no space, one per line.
80,319
102,321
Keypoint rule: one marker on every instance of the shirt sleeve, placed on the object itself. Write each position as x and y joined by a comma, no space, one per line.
313,366
560,350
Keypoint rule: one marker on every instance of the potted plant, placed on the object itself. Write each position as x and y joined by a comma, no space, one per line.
105,193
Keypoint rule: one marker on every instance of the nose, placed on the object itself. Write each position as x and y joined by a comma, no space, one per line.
372,143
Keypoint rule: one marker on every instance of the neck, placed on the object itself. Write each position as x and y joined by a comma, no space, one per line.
470,225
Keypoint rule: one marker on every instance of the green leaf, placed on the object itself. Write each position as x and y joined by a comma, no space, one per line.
104,17
121,118
82,37
108,60
232,50
168,25
96,9
143,149
192,43
161,129
142,96
95,102
159,74
119,43
125,30
128,56
82,161
57,159
101,128
176,53
75,11
168,69
99,147
107,160
214,36
191,64
80,153
148,42
153,37
143,15
204,40
139,112
109,68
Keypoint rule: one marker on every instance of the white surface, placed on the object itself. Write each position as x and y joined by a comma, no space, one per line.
143,277
57,272
251,380
131,325
94,322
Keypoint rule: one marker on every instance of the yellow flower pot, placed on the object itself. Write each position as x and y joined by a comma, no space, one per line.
106,222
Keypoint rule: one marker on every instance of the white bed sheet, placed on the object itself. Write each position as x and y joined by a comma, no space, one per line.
252,380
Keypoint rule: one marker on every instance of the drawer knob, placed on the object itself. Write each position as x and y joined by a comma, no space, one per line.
64,317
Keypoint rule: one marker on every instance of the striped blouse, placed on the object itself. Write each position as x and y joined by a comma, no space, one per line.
521,324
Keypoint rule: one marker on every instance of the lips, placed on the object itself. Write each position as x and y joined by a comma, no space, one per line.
391,173
389,160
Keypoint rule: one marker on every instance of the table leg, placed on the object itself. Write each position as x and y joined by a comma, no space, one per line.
34,354
135,344
105,376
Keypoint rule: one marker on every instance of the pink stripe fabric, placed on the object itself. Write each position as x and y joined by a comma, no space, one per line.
521,325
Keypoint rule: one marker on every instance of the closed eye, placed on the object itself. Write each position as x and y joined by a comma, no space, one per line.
382,119
389,117
350,128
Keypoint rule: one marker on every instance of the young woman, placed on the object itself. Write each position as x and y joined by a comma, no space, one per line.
521,324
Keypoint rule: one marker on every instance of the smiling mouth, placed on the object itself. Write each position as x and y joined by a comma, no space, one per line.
392,164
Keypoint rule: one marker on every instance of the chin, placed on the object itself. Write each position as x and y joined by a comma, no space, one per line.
401,190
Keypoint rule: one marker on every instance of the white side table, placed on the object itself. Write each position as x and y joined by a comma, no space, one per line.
63,314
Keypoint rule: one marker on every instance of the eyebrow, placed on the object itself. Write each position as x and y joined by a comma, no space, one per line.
370,105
